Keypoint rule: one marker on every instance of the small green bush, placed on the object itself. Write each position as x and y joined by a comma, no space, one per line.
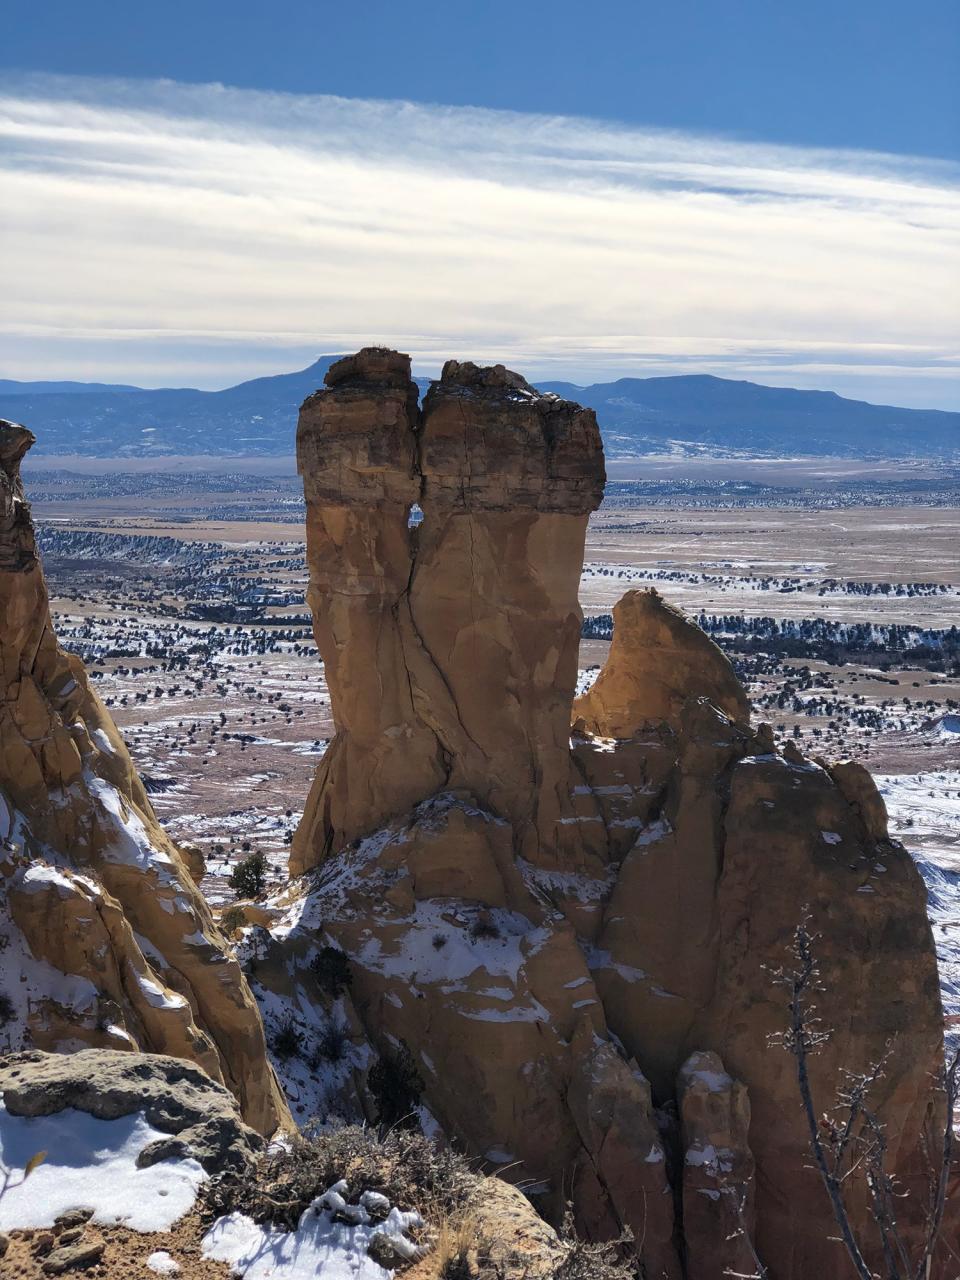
397,1087
249,877
331,971
232,919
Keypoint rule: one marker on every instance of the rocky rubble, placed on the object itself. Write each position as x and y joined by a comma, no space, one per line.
106,941
568,941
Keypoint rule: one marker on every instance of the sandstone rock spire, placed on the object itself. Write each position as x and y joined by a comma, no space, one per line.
109,943
569,942
427,695
659,662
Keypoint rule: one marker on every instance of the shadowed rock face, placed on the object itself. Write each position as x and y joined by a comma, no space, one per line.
574,938
115,945
427,695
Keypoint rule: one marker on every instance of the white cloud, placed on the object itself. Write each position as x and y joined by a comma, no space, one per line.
157,228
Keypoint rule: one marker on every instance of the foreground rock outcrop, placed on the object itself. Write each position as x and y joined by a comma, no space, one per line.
563,947
107,942
175,1097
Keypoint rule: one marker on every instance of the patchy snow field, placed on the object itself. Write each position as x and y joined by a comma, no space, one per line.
91,1164
331,1241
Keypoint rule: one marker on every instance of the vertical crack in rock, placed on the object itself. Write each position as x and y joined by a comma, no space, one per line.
473,623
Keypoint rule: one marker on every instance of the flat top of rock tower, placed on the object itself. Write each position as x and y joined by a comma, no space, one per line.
495,377
378,365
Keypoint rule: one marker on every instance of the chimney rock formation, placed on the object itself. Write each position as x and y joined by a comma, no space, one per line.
569,941
429,695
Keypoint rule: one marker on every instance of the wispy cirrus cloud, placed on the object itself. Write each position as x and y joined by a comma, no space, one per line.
158,231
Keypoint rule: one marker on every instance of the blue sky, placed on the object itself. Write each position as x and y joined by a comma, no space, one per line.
875,74
767,191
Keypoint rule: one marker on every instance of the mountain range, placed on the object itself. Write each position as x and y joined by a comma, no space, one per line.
684,415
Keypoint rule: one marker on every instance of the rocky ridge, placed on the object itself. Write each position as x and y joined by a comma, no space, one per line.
567,941
106,940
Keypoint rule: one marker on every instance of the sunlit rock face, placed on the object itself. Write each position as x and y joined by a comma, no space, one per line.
426,694
563,917
107,941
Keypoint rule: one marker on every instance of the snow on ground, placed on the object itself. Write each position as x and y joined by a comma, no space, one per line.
317,1080
29,982
586,679
331,1241
162,1263
924,810
92,1164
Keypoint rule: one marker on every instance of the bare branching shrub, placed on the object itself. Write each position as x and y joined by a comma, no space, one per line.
612,1260
287,1041
482,927
333,1042
849,1141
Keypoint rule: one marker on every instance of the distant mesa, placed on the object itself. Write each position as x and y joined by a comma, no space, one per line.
686,416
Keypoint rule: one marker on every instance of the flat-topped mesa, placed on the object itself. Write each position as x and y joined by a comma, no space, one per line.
107,940
492,442
450,650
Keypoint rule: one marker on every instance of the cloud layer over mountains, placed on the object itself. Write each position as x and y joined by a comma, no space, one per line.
159,232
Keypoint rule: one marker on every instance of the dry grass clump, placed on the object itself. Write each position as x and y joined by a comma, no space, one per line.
461,1242
598,1262
467,1247
404,1166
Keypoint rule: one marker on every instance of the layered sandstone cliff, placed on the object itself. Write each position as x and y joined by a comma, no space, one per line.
106,940
569,941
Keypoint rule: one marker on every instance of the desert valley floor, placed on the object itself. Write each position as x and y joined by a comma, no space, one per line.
835,590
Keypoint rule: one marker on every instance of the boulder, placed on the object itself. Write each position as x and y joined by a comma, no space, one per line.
175,1097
